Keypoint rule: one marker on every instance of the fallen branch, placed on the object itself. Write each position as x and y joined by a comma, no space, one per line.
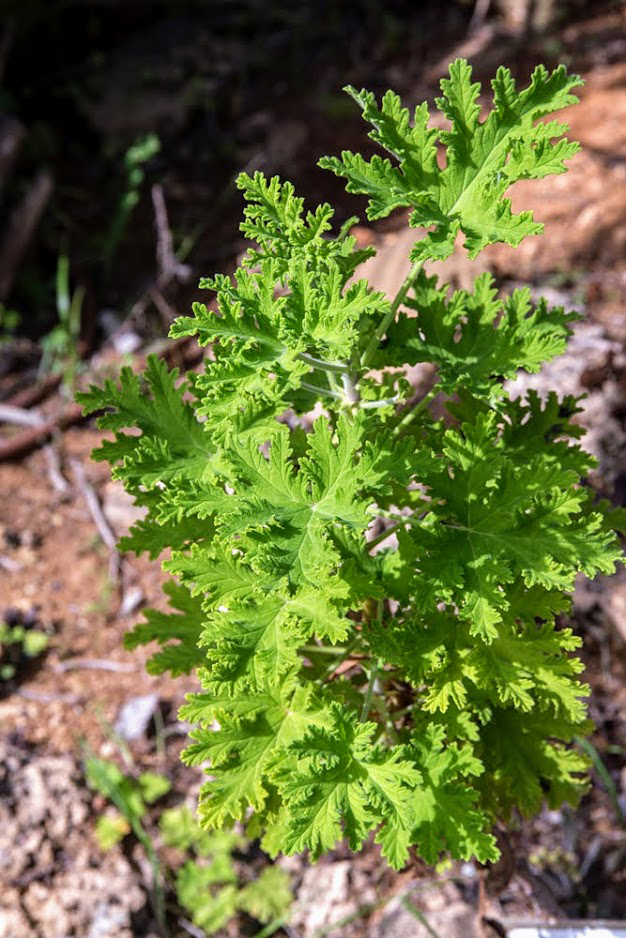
35,393
23,443
18,415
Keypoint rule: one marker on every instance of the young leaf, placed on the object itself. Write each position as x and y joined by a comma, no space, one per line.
482,158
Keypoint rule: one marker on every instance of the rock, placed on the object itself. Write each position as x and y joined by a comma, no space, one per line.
135,716
323,898
440,911
107,920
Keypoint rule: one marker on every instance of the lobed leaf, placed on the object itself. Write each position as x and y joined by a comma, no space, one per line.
482,158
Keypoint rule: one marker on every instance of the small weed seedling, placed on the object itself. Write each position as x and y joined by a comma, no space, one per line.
131,799
19,643
369,597
60,346
133,175
9,322
208,885
207,882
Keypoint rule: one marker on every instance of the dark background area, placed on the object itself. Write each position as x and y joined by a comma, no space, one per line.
217,86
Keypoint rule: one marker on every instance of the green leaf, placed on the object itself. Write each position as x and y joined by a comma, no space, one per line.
177,633
122,790
483,158
210,909
255,644
172,444
268,897
475,339
253,731
493,520
283,519
344,785
527,761
291,303
446,815
110,829
153,786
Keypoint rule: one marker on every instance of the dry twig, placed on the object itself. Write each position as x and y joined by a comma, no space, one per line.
57,479
22,443
93,664
104,530
43,697
169,267
167,262
33,394
20,416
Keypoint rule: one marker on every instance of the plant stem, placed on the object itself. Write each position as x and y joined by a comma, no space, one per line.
398,300
389,718
323,649
323,392
415,411
369,693
339,368
272,928
350,390
371,405
383,536
346,651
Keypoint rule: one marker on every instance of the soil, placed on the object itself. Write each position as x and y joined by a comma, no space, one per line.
55,570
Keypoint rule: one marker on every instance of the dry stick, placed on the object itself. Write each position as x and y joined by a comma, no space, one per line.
23,442
35,393
169,266
167,312
93,664
165,278
168,263
184,353
21,228
42,697
34,418
57,479
481,9
191,929
18,415
106,534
